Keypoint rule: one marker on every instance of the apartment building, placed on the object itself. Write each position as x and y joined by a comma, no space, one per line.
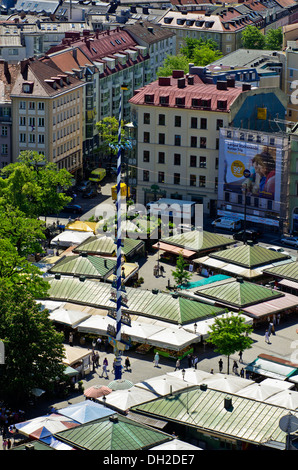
179,119
47,109
8,74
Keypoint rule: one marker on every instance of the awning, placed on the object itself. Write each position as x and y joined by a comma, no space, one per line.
175,250
287,283
271,369
272,306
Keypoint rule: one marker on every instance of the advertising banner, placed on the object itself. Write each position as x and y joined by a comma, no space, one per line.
250,166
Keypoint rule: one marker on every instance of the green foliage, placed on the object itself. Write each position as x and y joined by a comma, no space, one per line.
252,38
179,62
33,349
274,39
34,186
229,334
108,131
180,274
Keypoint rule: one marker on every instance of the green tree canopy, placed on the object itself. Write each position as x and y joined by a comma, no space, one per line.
34,186
108,131
274,39
180,274
33,348
229,334
252,38
179,62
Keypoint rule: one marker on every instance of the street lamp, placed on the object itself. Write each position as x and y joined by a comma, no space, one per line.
183,373
158,245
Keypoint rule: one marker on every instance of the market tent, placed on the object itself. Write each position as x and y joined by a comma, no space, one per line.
191,376
45,426
226,383
56,444
68,317
203,326
258,391
286,398
50,305
272,306
81,226
140,332
162,385
175,250
124,399
75,354
70,237
174,339
85,411
96,324
268,367
97,391
176,444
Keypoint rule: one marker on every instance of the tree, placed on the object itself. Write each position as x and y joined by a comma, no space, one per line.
252,38
34,186
24,233
229,334
178,62
201,52
33,348
180,274
274,39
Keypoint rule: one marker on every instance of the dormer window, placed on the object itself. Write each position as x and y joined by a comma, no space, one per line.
27,87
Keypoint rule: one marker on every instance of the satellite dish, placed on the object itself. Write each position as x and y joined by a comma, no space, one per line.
288,423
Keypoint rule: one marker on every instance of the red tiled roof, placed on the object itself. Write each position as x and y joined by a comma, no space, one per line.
66,60
198,90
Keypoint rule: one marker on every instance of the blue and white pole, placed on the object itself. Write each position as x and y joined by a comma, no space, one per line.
118,367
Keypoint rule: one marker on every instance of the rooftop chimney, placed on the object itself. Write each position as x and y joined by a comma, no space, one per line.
221,85
178,73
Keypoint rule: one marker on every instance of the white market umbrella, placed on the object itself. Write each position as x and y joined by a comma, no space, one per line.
226,383
162,385
68,317
191,376
96,324
258,391
45,426
124,399
70,237
140,332
174,339
176,444
286,398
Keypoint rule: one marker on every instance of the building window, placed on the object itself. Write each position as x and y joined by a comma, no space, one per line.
216,183
4,149
217,144
41,105
193,141
4,130
40,122
203,123
147,137
219,124
161,120
193,160
31,105
192,180
194,123
203,142
145,175
177,140
41,138
161,177
22,105
146,156
31,138
177,121
216,163
176,178
177,159
203,162
161,139
202,181
161,157
22,137
146,118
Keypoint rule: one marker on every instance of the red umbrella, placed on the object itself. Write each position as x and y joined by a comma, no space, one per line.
97,391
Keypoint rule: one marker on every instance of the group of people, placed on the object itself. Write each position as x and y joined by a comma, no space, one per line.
271,327
192,360
8,418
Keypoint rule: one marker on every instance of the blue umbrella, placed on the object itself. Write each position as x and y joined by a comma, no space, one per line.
85,411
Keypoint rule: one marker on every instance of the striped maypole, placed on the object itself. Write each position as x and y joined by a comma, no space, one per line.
118,366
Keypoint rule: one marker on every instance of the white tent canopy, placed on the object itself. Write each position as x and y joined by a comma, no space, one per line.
96,324
176,444
258,391
191,376
70,237
124,399
162,385
286,398
68,317
226,383
175,339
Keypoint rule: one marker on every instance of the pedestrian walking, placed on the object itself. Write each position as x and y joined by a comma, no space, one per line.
127,364
93,361
195,361
220,364
189,360
97,359
235,368
156,360
240,356
177,364
105,367
267,340
242,373
8,444
70,339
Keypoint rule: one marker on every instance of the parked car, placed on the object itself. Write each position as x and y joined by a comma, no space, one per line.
293,241
278,249
74,208
250,235
227,223
91,192
83,185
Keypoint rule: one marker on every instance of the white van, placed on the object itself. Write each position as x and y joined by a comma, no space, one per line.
228,224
